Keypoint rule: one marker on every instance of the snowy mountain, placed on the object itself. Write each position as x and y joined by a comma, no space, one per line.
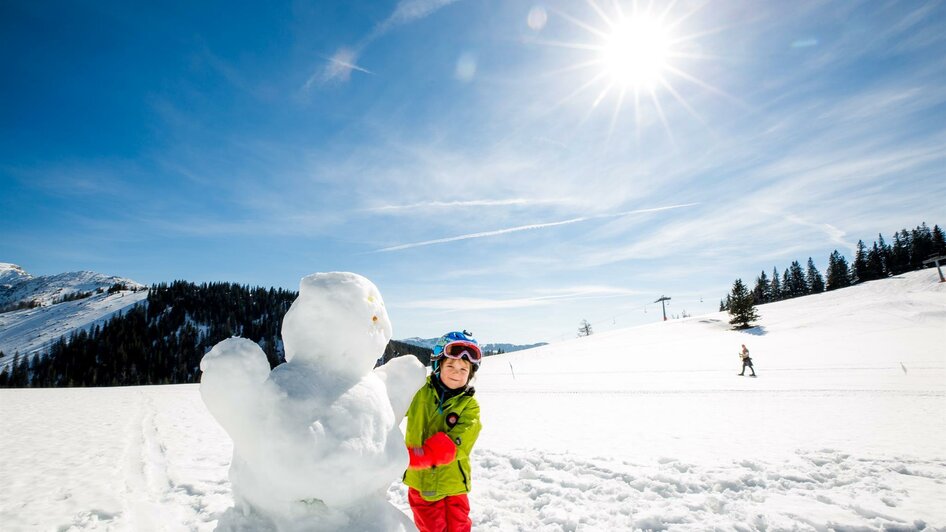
646,428
45,316
11,274
429,343
18,286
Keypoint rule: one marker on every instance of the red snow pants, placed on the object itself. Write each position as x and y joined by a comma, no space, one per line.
450,514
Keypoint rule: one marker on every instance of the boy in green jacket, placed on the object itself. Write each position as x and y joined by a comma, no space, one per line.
443,422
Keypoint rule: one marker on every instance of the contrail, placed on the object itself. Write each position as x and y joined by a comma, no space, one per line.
349,65
528,227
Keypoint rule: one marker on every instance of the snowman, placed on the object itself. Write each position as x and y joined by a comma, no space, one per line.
316,441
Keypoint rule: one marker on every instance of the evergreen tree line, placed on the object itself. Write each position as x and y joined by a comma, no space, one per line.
396,349
160,341
907,253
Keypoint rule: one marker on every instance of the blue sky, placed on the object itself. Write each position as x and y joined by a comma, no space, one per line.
492,165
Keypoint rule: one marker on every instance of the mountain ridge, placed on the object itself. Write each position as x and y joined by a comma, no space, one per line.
490,348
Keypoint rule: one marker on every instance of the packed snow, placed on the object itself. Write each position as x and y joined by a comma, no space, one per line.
645,428
317,441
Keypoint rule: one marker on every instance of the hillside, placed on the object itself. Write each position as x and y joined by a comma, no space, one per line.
488,349
90,299
642,428
19,287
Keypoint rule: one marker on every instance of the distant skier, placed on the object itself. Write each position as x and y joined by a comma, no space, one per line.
746,361
443,422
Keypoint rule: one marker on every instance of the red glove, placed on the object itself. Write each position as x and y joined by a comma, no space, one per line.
439,449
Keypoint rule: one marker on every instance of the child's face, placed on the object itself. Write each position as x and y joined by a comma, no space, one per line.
455,373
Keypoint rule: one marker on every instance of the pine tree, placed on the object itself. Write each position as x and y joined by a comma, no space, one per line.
899,261
584,328
939,242
763,289
797,286
921,246
838,274
860,272
776,291
813,278
884,251
875,263
742,308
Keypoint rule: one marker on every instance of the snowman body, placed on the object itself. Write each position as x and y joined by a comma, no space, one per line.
316,440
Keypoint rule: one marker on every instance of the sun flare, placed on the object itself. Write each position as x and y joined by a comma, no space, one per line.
642,56
635,54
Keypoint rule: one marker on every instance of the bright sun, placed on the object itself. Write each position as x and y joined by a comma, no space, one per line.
635,53
640,55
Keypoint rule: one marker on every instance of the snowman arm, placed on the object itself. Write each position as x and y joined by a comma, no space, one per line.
232,373
402,376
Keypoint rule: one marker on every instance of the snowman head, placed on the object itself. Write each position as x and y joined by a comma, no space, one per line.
338,322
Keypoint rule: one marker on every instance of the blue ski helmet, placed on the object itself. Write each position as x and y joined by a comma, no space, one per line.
457,341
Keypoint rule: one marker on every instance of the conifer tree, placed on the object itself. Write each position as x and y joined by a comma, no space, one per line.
921,246
796,280
776,292
838,274
742,308
939,241
884,251
584,328
875,263
813,278
763,289
860,273
900,252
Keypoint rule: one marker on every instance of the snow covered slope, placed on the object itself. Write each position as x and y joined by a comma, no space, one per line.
647,428
31,329
11,274
16,285
429,343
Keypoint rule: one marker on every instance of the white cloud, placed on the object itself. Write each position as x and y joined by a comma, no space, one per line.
527,227
546,297
339,67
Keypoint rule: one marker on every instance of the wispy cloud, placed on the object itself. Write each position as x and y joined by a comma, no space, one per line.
339,66
408,11
512,202
549,298
527,228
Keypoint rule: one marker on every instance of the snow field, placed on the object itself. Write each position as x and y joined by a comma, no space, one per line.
647,428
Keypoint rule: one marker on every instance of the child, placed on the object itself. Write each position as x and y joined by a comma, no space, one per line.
443,422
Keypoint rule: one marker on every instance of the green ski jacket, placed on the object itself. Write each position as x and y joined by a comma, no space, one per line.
459,417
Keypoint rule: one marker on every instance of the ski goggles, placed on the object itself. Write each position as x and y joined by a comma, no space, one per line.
459,349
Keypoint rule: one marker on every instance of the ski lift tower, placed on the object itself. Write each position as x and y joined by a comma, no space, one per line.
663,305
936,261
